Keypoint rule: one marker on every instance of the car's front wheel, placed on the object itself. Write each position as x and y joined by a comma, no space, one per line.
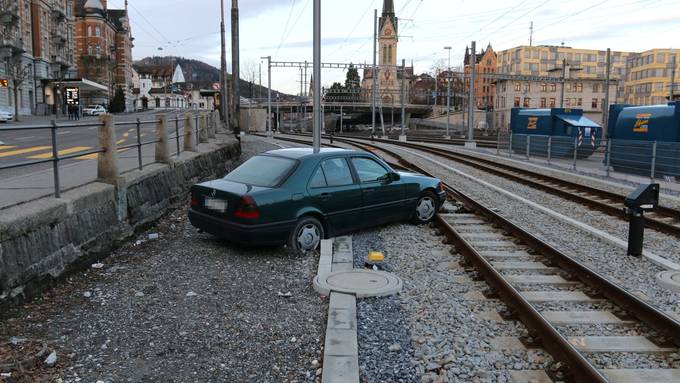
426,208
307,234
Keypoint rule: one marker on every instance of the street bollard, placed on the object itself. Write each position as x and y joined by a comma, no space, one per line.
528,147
55,161
653,167
212,125
163,144
138,130
107,161
189,133
575,153
609,156
202,129
549,149
510,146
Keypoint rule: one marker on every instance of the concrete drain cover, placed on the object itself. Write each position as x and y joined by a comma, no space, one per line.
669,280
362,283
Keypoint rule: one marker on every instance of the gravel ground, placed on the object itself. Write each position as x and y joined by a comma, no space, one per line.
615,185
635,274
182,308
445,336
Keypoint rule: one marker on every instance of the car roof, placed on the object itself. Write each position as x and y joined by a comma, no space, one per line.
299,153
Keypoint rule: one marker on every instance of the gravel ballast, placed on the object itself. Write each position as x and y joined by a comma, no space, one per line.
184,307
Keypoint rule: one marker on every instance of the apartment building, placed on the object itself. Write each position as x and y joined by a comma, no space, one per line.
648,76
583,93
546,60
486,62
36,48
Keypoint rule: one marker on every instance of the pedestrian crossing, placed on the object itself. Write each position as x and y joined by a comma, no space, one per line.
44,152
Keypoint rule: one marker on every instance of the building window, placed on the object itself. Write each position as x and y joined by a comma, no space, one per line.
568,87
544,102
594,104
553,87
544,87
98,51
596,88
579,102
567,102
552,102
89,30
98,31
579,87
527,102
516,102
89,50
527,86
518,86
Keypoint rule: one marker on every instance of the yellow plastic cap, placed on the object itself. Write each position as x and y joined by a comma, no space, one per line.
375,256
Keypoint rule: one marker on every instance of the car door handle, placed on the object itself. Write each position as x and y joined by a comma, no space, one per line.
325,195
369,190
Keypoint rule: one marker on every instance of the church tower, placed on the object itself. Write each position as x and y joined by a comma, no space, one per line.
387,37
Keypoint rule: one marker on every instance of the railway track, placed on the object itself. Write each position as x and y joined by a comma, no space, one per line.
556,297
662,219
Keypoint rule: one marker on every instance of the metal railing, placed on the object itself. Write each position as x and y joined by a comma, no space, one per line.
653,159
200,122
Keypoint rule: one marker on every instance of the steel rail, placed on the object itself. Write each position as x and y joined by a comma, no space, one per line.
552,340
502,170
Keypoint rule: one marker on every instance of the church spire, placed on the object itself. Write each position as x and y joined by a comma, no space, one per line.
388,8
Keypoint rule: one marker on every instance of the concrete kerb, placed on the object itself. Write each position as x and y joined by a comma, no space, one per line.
341,350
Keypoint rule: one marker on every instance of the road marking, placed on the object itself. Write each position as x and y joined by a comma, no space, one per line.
25,138
23,151
64,132
92,128
62,152
5,147
91,156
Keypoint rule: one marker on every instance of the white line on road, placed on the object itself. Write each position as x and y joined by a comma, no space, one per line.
92,128
64,132
24,138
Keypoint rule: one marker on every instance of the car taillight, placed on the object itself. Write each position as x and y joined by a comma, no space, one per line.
194,201
247,208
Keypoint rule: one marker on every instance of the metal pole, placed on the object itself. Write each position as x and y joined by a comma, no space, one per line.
269,94
341,117
609,155
375,72
55,160
471,99
139,144
259,83
236,70
575,152
528,146
549,148
403,98
605,107
278,115
317,76
436,90
448,95
564,74
177,133
510,146
651,176
672,84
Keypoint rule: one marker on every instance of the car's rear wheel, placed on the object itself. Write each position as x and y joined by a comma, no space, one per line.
307,234
426,208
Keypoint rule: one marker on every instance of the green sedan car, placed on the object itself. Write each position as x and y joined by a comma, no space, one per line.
298,197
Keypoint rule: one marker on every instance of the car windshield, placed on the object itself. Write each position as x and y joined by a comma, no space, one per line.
92,107
265,171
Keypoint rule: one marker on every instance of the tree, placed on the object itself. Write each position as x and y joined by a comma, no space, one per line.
352,84
118,102
17,73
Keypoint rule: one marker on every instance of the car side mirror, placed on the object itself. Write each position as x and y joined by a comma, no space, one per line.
394,176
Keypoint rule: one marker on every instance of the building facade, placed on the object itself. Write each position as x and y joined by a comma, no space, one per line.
36,48
390,77
159,87
103,49
588,94
546,60
648,76
485,63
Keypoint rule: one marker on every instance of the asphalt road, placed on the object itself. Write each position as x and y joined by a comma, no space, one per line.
24,183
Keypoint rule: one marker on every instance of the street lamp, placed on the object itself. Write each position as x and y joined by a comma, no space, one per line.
448,95
269,93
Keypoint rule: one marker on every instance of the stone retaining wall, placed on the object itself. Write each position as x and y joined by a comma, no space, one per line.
43,240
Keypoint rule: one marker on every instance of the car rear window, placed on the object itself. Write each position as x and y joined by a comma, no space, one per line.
265,171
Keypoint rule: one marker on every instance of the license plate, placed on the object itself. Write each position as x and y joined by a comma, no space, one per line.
215,204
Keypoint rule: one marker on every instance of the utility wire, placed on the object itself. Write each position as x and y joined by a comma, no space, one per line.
285,28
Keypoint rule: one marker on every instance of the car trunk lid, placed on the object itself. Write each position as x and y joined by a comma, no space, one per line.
221,198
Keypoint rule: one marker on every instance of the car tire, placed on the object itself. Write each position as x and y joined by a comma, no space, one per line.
425,209
306,235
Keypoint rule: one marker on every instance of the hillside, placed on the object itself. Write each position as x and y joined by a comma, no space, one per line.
201,75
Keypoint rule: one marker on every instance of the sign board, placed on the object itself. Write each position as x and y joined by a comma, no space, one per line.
73,96
216,86
4,83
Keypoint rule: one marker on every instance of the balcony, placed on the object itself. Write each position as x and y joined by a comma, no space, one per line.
10,12
58,14
62,60
11,46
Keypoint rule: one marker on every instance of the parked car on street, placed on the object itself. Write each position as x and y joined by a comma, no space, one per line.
94,110
297,197
6,115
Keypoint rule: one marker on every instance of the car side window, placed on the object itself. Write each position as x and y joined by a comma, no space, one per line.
368,169
318,180
337,172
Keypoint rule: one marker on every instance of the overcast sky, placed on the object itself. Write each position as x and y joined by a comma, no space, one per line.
283,29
